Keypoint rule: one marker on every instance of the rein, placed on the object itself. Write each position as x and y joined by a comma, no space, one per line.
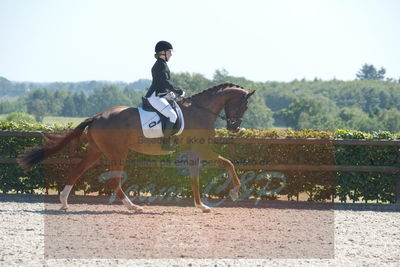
230,119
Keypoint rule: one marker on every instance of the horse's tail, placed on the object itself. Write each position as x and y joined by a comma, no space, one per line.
39,153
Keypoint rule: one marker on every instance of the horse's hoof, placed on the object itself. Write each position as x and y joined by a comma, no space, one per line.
136,208
234,193
204,208
64,208
139,209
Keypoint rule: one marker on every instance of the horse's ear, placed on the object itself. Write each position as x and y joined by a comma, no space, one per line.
250,94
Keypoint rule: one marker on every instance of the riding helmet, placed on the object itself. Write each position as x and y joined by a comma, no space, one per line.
162,46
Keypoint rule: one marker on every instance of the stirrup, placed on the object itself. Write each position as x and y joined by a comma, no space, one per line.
166,145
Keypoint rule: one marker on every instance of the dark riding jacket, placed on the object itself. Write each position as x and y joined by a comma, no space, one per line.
161,79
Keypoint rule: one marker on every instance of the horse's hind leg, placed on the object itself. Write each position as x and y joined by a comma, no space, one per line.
92,156
228,165
116,172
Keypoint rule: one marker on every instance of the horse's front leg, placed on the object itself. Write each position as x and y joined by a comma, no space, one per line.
228,165
196,194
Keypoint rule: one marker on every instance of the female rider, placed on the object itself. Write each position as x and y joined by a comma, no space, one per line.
162,89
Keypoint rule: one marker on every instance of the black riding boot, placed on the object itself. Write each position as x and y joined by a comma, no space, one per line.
166,141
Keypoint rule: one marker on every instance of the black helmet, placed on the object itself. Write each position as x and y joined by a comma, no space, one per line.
162,46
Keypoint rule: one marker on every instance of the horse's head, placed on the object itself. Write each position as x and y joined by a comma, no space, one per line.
228,96
235,107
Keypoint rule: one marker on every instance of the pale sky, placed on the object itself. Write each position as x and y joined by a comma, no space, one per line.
261,40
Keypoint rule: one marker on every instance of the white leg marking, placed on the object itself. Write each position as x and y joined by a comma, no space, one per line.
128,203
64,197
203,207
234,193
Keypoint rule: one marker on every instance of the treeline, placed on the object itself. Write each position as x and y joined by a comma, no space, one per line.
41,102
10,89
369,103
359,105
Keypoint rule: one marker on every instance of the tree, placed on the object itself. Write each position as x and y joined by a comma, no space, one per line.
141,84
69,108
307,112
56,101
38,102
80,100
19,117
38,108
258,115
106,97
390,119
190,83
353,118
220,75
369,72
18,105
134,95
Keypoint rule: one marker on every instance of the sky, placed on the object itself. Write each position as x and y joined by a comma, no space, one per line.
261,40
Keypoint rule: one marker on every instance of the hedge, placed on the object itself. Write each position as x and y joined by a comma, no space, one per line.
165,176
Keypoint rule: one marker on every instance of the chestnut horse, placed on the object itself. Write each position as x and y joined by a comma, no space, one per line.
113,132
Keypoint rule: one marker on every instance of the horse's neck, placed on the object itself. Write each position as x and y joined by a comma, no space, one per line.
212,102
203,109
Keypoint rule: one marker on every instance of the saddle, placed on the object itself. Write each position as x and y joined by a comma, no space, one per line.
152,119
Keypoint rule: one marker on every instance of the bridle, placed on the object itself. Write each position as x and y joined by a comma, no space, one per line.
230,120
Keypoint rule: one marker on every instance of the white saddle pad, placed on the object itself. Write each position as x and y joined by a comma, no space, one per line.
151,123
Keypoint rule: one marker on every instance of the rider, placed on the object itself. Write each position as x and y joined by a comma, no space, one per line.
162,89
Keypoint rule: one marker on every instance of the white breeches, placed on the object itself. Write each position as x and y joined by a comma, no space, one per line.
162,105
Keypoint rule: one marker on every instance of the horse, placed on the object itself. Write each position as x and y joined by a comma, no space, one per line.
114,132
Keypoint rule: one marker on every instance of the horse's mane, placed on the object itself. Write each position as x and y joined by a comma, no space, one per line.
215,89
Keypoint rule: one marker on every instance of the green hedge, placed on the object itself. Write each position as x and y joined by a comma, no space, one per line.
162,178
366,186
12,178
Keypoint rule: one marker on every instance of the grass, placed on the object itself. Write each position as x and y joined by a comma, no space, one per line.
62,120
56,119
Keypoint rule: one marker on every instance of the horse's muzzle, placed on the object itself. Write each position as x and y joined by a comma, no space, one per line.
233,124
233,129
